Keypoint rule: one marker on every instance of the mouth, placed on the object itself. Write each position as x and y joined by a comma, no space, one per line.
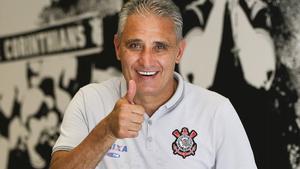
147,73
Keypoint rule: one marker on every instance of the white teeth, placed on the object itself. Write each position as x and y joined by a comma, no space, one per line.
147,73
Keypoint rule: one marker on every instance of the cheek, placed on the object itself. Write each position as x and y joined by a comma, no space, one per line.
128,59
168,63
125,62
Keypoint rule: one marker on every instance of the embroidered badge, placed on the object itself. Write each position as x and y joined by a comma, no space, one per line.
184,145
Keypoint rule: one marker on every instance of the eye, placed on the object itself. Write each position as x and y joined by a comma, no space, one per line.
160,47
134,46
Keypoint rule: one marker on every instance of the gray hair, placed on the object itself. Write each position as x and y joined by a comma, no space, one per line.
163,8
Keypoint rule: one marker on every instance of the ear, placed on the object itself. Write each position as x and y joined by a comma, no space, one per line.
117,46
181,47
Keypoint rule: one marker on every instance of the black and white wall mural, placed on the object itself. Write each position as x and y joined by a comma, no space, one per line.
247,50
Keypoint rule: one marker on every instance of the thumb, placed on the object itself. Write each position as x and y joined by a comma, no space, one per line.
131,91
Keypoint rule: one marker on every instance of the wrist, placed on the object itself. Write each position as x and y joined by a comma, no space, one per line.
108,130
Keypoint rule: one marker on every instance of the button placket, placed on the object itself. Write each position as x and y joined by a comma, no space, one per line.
149,138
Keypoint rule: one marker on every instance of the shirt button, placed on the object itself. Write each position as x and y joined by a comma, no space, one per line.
149,122
149,139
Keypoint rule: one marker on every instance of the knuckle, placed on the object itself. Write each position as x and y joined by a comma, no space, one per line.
135,134
139,127
141,108
141,119
123,134
121,103
124,108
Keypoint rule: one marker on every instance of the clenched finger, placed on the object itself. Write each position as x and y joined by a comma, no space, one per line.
137,109
134,127
137,118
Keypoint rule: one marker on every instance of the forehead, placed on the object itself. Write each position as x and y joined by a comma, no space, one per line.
149,27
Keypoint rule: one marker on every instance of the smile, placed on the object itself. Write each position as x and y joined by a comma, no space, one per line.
148,73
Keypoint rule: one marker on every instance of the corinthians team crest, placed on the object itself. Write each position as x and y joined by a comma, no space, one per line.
184,145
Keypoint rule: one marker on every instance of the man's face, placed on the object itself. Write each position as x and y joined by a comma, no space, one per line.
148,51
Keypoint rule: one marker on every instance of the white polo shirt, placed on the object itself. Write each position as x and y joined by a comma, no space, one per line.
195,129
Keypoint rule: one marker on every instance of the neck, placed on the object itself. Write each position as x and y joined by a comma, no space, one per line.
152,102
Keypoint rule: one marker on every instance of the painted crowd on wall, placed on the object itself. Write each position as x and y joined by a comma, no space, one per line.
246,50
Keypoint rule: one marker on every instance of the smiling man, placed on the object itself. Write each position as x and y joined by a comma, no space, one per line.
150,117
148,52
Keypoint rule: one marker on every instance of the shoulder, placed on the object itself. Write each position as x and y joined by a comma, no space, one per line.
217,107
198,97
107,90
204,101
202,95
110,85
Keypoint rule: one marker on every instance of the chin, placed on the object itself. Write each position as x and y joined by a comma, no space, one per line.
148,91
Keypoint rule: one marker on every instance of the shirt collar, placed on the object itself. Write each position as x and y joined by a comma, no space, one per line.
178,95
173,101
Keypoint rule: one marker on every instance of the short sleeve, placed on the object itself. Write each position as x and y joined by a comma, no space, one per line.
233,150
74,127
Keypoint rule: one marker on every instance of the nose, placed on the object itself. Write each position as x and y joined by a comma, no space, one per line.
146,57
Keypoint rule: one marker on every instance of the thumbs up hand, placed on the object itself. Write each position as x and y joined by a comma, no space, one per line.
125,121
131,91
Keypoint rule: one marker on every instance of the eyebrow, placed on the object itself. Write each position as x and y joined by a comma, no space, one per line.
161,42
132,41
166,43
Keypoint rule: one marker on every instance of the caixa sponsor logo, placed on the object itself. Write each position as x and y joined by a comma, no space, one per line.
113,155
116,150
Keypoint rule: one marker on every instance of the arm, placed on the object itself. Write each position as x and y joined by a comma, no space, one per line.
123,122
88,153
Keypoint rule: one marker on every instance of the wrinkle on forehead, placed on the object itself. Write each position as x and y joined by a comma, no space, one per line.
150,28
